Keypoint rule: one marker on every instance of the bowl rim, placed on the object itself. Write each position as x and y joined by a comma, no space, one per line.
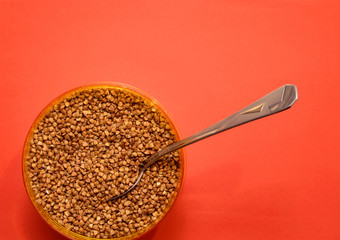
99,85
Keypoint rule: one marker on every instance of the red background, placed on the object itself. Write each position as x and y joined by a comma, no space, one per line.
277,178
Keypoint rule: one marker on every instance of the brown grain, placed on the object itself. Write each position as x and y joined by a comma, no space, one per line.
88,148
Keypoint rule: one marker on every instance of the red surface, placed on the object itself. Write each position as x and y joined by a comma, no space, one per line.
277,178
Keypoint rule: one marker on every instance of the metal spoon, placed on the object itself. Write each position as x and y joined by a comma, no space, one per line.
276,101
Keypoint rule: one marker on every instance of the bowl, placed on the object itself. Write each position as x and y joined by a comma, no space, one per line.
95,86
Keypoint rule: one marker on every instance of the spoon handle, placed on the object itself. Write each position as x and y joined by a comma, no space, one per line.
276,101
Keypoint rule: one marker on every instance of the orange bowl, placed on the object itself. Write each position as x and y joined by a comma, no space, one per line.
53,223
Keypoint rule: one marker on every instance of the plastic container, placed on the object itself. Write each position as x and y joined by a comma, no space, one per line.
54,224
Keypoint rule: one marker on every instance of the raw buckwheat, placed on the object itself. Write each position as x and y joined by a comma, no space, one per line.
88,148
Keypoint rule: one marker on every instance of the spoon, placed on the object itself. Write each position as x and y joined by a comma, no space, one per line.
276,101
